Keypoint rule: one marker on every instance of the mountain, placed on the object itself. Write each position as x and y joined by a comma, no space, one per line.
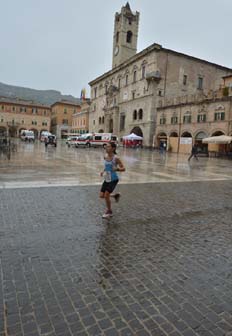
47,97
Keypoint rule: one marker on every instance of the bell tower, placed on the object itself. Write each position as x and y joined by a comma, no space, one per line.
126,25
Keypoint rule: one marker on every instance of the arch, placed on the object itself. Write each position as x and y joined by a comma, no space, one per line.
3,131
174,134
12,131
101,131
137,130
200,135
140,114
134,114
218,132
186,134
129,35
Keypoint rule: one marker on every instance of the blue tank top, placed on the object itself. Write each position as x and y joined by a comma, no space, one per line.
110,173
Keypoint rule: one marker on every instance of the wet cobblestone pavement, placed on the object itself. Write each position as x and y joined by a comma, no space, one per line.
161,266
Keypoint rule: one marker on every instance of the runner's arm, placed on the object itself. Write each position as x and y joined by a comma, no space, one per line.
120,165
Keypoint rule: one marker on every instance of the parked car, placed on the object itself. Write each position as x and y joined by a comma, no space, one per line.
50,140
96,139
44,135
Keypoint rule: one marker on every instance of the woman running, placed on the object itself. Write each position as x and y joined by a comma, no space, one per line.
112,165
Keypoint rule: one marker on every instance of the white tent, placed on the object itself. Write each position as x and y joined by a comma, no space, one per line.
132,136
220,139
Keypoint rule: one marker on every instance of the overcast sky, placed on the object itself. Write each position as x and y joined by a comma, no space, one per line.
64,44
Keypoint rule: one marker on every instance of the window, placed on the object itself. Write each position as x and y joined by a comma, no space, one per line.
99,120
162,121
22,122
134,76
44,123
133,95
134,115
201,118
65,121
117,37
200,83
103,120
143,71
126,80
2,107
13,108
122,122
140,114
34,110
119,83
98,137
219,116
2,120
187,119
45,112
106,88
34,122
185,80
174,120
129,37
65,111
95,92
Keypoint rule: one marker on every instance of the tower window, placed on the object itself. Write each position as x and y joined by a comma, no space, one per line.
140,114
126,80
129,37
185,80
134,76
143,71
134,115
200,83
117,37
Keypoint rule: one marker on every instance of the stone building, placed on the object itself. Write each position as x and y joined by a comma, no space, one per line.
189,119
18,114
61,117
80,120
127,97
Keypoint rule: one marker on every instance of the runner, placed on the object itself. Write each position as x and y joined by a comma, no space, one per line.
112,165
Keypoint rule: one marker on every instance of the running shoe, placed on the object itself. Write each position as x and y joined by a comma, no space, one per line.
107,214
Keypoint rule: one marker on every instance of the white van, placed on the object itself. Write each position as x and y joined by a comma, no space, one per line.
44,135
26,135
96,139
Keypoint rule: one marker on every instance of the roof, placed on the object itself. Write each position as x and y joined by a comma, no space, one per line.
23,102
157,47
66,102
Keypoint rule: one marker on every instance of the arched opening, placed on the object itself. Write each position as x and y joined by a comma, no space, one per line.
3,131
174,135
137,130
101,131
218,133
202,148
162,141
36,133
134,114
13,132
140,114
129,36
186,135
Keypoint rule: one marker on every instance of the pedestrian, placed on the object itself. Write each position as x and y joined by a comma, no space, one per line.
112,165
193,153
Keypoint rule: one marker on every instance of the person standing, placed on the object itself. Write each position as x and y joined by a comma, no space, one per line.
112,165
193,153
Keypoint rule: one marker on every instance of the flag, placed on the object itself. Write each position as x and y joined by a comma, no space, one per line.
83,94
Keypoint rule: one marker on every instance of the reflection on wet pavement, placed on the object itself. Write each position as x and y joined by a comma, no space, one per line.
33,165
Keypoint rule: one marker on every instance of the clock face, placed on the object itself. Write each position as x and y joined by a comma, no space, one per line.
116,50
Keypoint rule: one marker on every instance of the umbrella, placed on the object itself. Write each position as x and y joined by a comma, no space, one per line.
132,136
220,139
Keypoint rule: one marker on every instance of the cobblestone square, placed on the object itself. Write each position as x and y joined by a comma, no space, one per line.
161,266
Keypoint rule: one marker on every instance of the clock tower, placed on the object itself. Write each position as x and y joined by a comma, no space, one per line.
126,26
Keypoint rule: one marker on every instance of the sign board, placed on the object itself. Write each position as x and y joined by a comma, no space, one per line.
186,141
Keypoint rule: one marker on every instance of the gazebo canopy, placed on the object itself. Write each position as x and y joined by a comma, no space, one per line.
132,136
220,139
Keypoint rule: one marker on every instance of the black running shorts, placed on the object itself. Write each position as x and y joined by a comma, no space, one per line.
109,186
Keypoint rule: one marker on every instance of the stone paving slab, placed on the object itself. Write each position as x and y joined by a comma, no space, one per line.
161,266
